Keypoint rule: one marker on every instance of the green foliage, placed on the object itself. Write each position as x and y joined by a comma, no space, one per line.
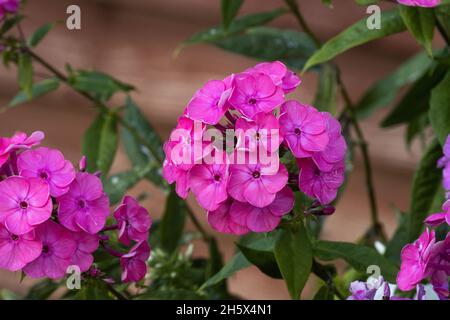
326,97
440,109
100,143
40,34
420,22
25,73
263,259
356,35
293,252
230,9
38,89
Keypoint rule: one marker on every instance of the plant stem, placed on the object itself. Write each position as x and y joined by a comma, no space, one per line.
349,108
322,273
116,293
206,237
442,31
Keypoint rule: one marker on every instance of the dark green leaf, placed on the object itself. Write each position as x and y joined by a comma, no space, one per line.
420,22
326,96
38,89
443,17
100,143
39,34
426,183
366,2
324,293
215,264
359,257
9,23
172,222
264,260
293,253
416,127
264,43
133,141
383,92
25,70
42,290
356,35
98,84
417,100
237,26
93,289
230,9
440,109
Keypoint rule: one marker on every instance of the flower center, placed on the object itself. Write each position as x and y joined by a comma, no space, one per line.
81,204
256,174
43,175
23,205
14,237
45,249
297,131
217,177
251,101
316,172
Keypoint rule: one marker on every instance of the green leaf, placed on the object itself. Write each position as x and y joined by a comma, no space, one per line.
25,73
443,17
9,23
416,127
98,84
118,184
93,289
100,143
356,35
42,290
420,22
324,293
293,253
426,183
417,100
237,26
230,8
172,222
383,92
40,34
38,89
366,2
440,109
268,44
326,96
215,264
359,257
139,153
264,260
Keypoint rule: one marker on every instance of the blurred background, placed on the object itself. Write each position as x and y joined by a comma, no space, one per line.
134,41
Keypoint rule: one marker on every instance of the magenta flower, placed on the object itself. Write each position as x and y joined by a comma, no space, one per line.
16,251
255,183
280,75
133,263
220,219
303,128
336,148
48,165
420,3
255,93
438,267
415,258
263,219
86,244
58,247
440,217
209,183
320,185
19,141
24,203
444,163
209,103
263,132
85,206
8,6
133,220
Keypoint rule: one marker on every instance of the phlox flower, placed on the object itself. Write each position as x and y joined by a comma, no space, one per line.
209,183
210,102
86,244
263,219
220,219
255,93
133,263
281,76
256,184
262,132
372,289
440,217
58,247
133,220
24,203
444,163
415,258
420,3
336,148
48,165
16,251
303,128
8,6
18,141
320,185
438,267
85,206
